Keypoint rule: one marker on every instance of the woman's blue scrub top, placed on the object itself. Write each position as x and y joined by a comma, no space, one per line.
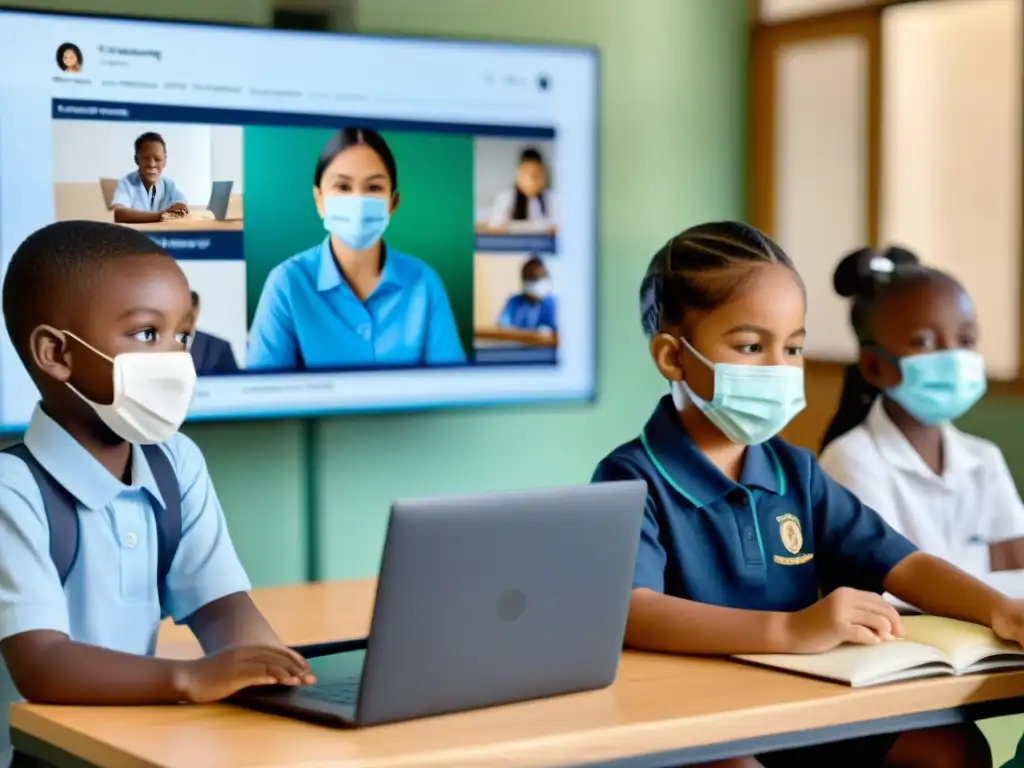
308,316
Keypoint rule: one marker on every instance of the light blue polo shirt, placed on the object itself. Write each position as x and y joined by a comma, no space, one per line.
110,598
308,316
130,192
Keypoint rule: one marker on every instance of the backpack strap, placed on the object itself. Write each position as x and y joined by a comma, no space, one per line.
168,525
61,512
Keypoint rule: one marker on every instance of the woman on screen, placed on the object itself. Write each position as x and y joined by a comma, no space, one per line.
352,300
530,204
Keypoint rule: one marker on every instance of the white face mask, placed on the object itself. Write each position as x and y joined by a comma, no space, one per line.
539,289
152,393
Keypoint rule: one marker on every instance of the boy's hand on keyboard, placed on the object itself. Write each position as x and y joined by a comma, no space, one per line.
844,616
222,674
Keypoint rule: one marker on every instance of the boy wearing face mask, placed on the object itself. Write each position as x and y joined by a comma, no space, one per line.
100,317
892,441
534,308
747,545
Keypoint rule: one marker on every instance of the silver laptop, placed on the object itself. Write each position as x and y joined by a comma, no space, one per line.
482,600
220,196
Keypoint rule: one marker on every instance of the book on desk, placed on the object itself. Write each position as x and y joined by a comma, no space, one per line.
931,647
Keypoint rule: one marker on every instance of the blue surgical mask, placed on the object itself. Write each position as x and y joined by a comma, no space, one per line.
751,403
937,387
357,221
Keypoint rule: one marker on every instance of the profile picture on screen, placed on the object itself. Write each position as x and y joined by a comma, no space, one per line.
69,58
351,299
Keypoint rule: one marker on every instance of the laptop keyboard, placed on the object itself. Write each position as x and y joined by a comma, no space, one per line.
343,690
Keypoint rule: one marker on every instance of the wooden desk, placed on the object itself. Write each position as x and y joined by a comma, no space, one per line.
191,225
517,336
662,711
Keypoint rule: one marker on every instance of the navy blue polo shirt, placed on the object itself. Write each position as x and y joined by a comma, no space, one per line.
774,541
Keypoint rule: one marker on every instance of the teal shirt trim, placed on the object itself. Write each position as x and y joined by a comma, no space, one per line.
779,475
665,475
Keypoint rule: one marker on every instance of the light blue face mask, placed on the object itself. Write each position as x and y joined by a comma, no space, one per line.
751,403
357,221
937,387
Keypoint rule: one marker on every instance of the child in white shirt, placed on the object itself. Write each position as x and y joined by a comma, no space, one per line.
892,441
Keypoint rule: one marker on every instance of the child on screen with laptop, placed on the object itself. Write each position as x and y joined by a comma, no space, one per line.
747,545
108,517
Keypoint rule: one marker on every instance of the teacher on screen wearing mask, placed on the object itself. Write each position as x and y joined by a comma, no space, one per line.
352,300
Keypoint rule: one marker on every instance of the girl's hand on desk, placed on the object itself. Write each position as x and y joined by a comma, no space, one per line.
844,616
223,674
1008,620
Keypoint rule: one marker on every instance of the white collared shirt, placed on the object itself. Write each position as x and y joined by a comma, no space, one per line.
536,215
954,516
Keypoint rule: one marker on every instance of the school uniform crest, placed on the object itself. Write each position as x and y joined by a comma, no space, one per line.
793,540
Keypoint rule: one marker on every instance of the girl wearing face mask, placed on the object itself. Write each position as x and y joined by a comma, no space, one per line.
892,441
534,308
530,204
747,545
352,300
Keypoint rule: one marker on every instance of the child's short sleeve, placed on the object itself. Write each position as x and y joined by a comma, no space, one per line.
649,572
1001,500
856,547
31,595
122,193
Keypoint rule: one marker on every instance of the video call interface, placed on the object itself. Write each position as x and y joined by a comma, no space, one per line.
268,213
246,182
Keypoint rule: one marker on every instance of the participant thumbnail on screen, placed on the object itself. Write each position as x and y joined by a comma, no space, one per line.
515,203
515,307
156,177
181,184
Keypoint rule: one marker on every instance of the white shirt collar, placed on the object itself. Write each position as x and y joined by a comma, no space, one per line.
894,447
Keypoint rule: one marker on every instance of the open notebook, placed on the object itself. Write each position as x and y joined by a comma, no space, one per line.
931,647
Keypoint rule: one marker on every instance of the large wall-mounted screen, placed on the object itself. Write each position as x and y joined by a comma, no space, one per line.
365,223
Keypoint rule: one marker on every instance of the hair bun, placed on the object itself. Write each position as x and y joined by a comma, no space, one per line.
859,272
901,258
